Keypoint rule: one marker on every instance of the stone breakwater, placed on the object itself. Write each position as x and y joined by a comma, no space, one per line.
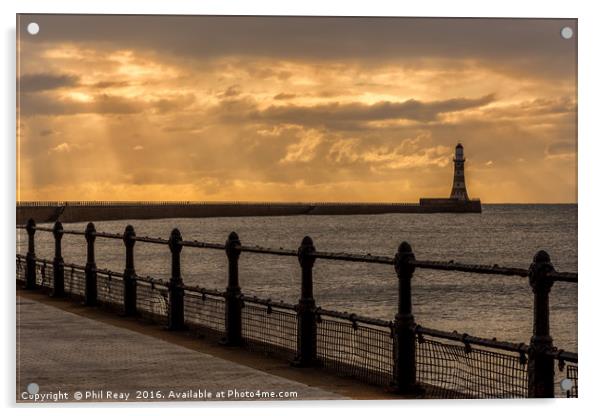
107,211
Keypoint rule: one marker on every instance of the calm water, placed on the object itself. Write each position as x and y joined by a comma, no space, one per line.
481,305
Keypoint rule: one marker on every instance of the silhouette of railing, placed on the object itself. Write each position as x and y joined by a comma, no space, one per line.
401,355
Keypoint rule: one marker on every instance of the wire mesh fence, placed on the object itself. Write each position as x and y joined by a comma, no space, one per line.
571,374
355,349
110,289
44,274
452,370
20,270
75,281
345,346
152,301
204,312
269,330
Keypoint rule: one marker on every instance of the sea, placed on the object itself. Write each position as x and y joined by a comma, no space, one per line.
480,305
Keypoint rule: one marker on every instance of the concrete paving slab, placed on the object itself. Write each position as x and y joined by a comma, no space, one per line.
68,355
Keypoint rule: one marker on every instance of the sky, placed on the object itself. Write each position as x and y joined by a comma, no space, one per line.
294,108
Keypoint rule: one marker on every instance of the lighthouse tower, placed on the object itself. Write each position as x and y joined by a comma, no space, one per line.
459,186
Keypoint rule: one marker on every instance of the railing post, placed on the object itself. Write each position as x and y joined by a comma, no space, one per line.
30,258
91,292
129,274
233,302
175,319
404,342
306,319
58,265
541,365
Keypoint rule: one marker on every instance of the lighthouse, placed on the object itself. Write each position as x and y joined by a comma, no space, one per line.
459,185
458,201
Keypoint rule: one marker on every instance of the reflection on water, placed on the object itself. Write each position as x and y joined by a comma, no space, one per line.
482,305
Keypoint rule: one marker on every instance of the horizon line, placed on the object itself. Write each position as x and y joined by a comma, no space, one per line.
148,202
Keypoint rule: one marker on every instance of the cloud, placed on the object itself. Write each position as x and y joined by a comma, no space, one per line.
284,96
305,149
110,84
45,82
533,108
43,104
231,91
329,114
565,149
533,45
172,103
397,154
562,147
47,132
62,148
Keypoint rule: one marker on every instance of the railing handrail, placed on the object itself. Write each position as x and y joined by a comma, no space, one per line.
569,277
405,334
463,338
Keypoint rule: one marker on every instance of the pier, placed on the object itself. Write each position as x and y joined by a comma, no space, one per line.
80,211
399,356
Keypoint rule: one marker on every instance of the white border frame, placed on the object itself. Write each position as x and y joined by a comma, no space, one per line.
590,150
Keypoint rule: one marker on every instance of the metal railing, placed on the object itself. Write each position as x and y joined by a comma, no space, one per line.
400,355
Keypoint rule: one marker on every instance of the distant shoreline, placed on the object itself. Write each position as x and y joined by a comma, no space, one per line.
81,211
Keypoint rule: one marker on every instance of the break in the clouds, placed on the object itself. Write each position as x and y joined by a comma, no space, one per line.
267,108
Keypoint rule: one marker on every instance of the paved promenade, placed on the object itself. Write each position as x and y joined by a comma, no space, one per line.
64,352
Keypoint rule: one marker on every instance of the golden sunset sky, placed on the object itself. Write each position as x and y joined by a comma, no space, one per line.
294,109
